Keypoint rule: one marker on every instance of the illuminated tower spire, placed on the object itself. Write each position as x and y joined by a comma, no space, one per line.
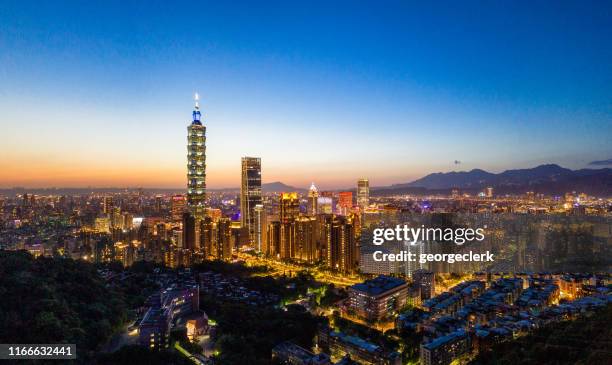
196,109
196,162
313,197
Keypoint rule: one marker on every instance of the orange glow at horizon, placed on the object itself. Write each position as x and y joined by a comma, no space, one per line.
40,173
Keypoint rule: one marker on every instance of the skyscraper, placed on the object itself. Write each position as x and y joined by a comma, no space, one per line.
342,250
313,196
196,163
250,194
107,204
363,193
345,202
189,231
260,227
177,207
289,207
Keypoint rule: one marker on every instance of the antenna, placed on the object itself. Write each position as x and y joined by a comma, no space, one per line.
196,98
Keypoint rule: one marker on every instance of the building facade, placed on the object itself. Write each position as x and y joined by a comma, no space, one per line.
250,194
363,193
196,164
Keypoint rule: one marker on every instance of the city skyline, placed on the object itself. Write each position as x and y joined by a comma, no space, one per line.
94,100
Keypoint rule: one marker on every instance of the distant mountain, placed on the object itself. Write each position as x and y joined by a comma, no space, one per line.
279,187
551,179
441,180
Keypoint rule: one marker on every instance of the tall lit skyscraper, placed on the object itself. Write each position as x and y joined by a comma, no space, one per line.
313,196
107,204
177,207
342,250
289,207
196,163
363,193
260,227
250,194
345,202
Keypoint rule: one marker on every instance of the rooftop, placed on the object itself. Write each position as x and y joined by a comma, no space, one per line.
378,285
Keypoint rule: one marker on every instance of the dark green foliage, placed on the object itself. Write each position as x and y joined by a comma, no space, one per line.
362,331
56,301
247,334
586,340
131,355
235,269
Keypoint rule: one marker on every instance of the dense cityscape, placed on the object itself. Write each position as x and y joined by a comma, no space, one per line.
286,276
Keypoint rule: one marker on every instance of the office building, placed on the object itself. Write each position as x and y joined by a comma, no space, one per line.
107,204
345,202
289,206
341,247
305,239
177,207
378,298
189,231
223,239
250,194
196,163
313,197
206,236
363,193
273,239
260,227
325,205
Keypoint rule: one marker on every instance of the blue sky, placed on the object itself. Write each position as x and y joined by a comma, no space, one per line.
99,93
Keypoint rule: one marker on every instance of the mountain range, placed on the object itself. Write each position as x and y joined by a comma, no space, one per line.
548,179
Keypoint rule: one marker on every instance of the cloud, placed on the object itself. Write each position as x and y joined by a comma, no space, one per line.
607,162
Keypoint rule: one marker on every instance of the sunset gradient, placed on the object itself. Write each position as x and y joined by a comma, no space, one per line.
101,95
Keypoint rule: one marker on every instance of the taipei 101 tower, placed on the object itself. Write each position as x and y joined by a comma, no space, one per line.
196,163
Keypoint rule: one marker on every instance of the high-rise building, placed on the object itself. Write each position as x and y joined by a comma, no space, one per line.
287,239
107,204
158,203
250,194
345,202
196,163
273,239
289,206
260,227
342,252
177,207
313,197
489,192
363,193
224,239
189,231
116,221
325,205
206,236
305,239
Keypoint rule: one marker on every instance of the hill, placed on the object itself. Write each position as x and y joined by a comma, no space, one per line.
549,179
